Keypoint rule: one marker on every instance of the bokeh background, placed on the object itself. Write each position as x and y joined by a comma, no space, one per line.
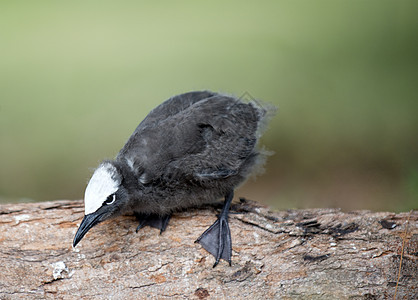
76,77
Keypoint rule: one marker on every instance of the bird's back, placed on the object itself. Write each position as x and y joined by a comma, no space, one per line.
173,106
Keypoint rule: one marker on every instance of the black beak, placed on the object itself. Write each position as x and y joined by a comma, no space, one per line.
88,222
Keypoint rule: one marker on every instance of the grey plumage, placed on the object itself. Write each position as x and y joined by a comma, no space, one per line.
192,149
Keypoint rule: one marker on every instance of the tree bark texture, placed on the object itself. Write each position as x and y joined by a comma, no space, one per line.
293,254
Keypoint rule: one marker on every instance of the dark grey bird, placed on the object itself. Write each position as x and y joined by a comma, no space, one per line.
193,149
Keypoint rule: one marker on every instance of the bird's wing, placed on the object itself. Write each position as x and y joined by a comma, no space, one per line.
208,139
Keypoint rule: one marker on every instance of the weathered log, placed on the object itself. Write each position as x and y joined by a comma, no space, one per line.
294,254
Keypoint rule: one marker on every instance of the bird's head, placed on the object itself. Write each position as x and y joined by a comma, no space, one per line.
104,197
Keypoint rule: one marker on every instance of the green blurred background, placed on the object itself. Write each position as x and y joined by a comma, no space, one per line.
76,78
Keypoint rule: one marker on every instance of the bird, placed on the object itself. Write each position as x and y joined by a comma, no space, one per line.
193,149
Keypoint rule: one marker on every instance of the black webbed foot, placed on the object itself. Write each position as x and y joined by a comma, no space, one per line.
153,220
217,238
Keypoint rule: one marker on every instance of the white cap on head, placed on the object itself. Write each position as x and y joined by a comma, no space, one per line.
102,184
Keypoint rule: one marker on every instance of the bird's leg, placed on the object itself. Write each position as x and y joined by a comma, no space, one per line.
217,238
153,220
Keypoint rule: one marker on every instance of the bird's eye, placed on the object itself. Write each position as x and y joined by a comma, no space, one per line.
110,199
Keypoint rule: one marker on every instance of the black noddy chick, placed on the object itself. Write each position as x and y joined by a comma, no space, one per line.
193,149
